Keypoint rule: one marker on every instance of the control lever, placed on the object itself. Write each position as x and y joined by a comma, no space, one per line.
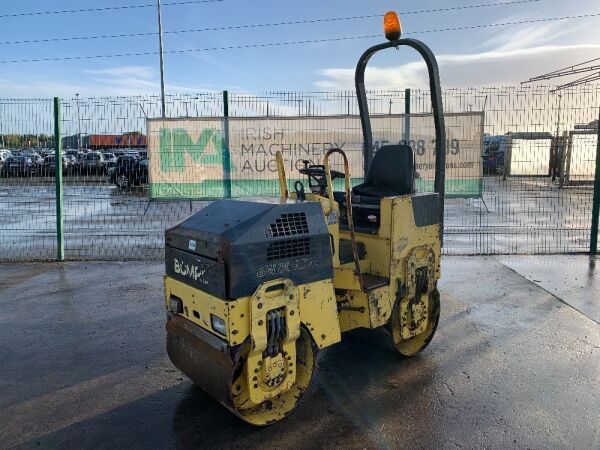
299,188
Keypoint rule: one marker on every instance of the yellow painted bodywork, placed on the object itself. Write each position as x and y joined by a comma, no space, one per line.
394,253
316,305
271,376
387,255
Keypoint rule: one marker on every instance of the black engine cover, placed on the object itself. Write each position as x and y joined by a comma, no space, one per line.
231,246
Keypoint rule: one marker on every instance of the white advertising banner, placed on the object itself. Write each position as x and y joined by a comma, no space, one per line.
207,158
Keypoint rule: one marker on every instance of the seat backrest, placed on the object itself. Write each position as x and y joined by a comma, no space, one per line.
393,169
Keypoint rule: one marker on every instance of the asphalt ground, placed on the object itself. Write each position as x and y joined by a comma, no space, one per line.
515,363
516,216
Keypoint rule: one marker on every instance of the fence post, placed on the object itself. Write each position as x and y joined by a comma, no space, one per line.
58,178
225,150
596,203
406,116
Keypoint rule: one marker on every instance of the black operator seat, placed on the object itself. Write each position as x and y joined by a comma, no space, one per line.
391,173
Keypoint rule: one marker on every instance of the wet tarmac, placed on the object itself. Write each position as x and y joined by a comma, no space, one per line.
83,365
575,279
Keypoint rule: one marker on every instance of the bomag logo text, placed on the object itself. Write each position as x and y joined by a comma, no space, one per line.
190,271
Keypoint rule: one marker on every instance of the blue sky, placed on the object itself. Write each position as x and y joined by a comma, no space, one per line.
488,56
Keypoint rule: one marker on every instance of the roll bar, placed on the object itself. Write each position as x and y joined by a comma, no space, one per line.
436,105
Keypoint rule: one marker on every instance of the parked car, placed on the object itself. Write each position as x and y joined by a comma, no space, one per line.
129,171
124,161
74,157
494,150
35,156
131,152
19,166
91,163
48,167
110,159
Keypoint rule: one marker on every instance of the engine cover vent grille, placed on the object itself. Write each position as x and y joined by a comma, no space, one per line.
288,248
288,225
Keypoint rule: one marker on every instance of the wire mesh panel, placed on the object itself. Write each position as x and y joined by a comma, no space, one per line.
520,163
525,207
580,159
27,190
107,210
529,157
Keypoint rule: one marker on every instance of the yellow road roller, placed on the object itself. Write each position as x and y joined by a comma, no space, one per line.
255,288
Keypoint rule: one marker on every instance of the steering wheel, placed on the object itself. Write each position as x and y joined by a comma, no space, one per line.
319,172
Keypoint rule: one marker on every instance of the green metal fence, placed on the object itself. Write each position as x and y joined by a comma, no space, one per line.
527,186
27,201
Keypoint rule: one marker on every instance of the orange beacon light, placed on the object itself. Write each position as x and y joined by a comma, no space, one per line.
391,26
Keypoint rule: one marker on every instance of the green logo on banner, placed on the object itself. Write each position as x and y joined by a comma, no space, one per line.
176,143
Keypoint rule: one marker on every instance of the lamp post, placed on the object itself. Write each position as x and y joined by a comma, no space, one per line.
78,124
162,63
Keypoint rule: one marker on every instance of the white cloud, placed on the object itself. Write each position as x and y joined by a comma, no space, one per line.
500,67
376,77
94,82
510,55
529,35
139,71
136,80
